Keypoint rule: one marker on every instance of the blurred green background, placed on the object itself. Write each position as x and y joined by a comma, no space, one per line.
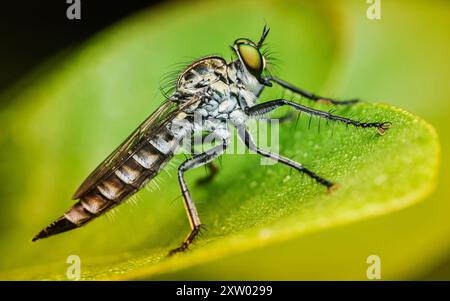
48,144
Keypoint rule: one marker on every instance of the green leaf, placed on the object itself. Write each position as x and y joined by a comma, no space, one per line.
60,124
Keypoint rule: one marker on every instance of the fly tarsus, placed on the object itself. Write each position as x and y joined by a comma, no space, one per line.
322,181
384,126
266,107
247,139
187,242
180,249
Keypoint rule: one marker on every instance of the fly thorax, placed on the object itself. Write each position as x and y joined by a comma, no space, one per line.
201,74
239,75
243,85
217,102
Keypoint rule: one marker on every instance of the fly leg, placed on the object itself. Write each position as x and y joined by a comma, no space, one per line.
247,139
289,116
271,105
309,95
283,119
212,168
212,172
191,210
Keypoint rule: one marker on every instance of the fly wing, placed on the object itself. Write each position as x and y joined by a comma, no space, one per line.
144,132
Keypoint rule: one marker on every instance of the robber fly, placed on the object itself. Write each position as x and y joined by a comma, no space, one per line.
224,94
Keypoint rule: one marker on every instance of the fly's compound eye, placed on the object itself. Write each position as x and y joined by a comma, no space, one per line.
251,57
244,41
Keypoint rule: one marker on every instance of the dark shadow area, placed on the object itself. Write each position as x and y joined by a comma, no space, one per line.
33,31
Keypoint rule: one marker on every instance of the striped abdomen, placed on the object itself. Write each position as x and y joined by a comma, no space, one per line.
131,176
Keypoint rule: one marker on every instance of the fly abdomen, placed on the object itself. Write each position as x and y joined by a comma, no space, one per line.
126,180
83,211
92,204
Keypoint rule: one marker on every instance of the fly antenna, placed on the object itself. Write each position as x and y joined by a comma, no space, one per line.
263,35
